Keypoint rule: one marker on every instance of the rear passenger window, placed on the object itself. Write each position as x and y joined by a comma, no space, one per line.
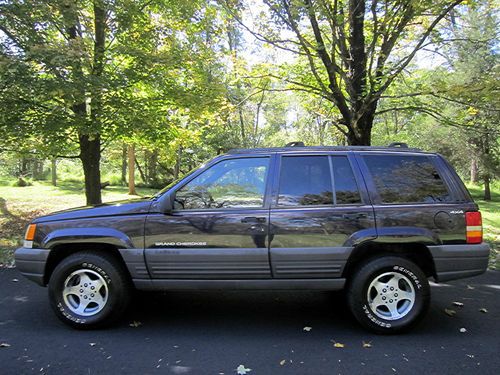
406,179
305,181
346,189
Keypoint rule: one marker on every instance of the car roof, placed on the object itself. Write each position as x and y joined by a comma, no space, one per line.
302,149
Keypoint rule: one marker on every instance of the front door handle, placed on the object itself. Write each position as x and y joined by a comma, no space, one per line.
253,220
354,216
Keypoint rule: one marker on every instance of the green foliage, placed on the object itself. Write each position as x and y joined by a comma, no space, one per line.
454,108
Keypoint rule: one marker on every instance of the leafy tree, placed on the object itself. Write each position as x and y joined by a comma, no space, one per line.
460,96
87,72
349,52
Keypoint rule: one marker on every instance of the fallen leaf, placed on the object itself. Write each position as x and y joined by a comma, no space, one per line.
282,362
180,369
338,345
307,329
470,287
4,345
135,324
483,310
463,330
92,344
242,370
367,344
450,312
459,304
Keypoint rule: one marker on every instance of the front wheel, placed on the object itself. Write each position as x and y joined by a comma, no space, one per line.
89,289
389,294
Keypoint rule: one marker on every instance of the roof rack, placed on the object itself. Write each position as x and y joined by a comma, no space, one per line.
299,146
295,144
398,144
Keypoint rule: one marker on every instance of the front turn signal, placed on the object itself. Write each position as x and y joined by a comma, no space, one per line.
30,235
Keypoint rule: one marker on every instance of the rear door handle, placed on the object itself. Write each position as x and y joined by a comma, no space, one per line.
253,219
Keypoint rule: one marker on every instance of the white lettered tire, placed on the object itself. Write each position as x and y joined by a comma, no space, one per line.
389,294
89,289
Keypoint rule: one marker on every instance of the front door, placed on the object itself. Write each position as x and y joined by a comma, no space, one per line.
319,209
219,226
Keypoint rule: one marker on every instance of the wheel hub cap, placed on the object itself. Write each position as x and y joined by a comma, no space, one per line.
85,292
391,296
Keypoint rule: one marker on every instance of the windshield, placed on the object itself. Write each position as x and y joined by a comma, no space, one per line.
175,182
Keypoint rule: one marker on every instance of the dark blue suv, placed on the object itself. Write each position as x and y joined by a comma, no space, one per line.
376,221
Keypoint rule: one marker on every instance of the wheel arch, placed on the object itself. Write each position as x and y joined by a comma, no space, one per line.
61,251
416,252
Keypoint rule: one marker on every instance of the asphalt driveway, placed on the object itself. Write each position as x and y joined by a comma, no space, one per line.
219,332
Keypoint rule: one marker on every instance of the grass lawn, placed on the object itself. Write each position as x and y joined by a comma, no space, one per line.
19,205
491,219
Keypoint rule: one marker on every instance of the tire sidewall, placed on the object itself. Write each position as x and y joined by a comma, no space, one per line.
93,263
359,290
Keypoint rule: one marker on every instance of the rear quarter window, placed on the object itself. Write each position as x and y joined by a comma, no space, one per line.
407,179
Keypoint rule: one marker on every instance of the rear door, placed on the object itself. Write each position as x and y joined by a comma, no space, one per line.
320,210
219,226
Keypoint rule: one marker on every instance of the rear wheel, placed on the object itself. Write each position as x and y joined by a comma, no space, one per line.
89,290
389,294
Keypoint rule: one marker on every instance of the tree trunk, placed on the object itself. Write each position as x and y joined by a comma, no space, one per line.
474,173
90,155
124,164
360,129
131,170
53,171
37,169
177,168
152,169
242,126
141,172
487,191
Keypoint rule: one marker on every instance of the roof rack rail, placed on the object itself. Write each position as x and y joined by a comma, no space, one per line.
398,144
295,144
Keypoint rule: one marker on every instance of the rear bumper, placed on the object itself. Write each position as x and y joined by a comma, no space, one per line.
459,261
31,263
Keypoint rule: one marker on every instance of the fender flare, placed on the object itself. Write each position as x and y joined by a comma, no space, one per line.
107,236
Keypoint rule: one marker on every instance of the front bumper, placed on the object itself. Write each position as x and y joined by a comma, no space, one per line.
459,261
31,263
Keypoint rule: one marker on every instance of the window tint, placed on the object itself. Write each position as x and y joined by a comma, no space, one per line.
305,181
346,189
228,184
406,179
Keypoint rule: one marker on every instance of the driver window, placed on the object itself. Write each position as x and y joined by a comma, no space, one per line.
231,183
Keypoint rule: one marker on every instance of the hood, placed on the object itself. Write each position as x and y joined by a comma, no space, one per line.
125,207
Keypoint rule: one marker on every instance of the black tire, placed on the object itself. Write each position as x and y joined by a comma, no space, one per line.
105,273
407,279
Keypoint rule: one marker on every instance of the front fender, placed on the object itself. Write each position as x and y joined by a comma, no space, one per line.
107,236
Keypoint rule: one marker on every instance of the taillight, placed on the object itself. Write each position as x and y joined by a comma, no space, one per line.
474,227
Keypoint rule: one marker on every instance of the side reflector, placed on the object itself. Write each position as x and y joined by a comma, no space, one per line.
30,232
474,227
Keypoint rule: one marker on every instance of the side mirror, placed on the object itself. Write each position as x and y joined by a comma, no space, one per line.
167,204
